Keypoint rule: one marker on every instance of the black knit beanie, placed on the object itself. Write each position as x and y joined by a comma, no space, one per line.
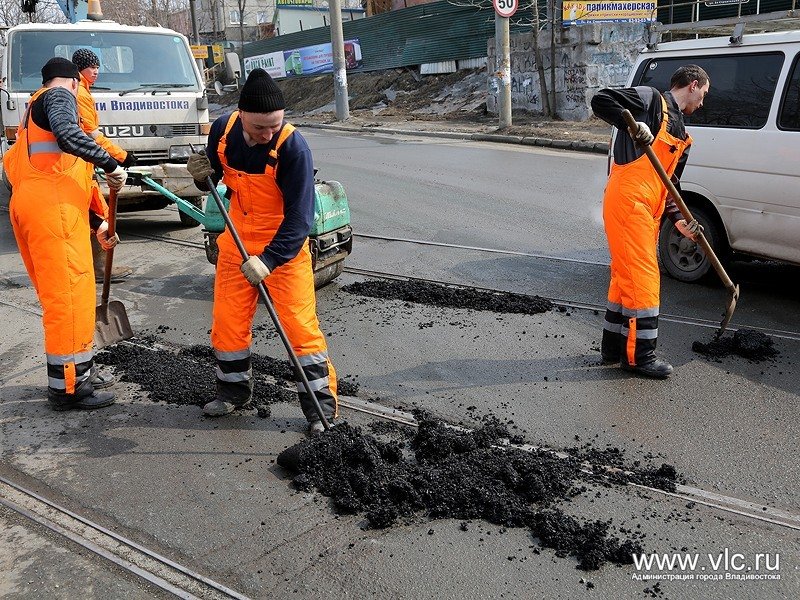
59,67
260,94
85,58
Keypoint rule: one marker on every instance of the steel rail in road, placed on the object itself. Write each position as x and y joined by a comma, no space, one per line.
695,322
150,566
777,333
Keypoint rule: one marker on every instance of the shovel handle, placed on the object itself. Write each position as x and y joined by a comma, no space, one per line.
112,228
665,179
262,290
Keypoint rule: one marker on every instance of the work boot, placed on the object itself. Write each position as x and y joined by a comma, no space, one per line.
94,400
657,369
102,379
220,408
316,427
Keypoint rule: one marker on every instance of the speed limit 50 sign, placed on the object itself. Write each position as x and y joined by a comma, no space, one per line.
505,8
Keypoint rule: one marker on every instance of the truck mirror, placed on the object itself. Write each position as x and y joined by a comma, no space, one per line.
233,68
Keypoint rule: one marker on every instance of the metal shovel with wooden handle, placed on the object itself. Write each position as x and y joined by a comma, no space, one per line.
732,288
111,320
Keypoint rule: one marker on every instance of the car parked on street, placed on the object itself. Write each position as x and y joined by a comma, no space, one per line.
742,179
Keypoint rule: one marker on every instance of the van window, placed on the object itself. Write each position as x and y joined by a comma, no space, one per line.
128,58
790,111
742,86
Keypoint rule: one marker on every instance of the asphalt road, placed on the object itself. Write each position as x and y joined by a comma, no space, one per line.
206,493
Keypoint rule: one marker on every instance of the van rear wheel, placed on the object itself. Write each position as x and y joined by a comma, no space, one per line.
683,259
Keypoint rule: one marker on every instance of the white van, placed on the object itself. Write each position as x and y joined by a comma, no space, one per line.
742,179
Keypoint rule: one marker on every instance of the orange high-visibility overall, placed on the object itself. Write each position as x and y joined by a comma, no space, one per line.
90,124
632,208
50,215
256,210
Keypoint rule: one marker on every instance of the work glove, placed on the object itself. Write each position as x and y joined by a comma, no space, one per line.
199,167
689,230
254,270
116,179
643,135
130,160
106,242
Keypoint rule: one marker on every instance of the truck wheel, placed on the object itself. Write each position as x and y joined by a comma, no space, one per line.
683,259
186,220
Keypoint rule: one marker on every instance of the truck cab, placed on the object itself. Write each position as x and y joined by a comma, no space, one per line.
150,95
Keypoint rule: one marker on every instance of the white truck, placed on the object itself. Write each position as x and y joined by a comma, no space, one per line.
150,95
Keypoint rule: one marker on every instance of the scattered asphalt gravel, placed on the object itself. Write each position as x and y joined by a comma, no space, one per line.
747,343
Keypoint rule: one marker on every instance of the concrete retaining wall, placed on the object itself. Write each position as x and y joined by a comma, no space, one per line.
588,58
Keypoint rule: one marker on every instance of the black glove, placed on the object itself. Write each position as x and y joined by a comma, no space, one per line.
129,161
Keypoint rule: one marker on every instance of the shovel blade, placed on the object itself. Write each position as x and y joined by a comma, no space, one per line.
111,324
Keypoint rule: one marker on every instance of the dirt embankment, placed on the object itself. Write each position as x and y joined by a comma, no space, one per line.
408,100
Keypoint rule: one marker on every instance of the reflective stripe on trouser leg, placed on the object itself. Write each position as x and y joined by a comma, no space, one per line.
70,374
641,336
291,287
321,377
234,376
613,342
235,302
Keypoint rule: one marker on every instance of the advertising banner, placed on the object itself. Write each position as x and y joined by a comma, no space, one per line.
310,60
272,63
623,11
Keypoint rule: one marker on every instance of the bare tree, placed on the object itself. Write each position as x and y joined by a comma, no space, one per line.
45,11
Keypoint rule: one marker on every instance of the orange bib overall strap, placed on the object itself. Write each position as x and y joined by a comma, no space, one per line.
632,208
256,211
52,232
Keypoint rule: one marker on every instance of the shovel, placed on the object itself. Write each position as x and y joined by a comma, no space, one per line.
733,289
111,321
262,290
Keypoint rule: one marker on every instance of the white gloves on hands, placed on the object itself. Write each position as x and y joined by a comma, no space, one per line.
254,270
689,230
106,242
116,179
643,135
199,167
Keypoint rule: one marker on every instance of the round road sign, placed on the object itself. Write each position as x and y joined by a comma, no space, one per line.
505,8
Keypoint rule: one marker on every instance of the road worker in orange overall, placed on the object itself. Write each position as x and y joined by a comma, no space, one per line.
88,64
634,203
268,169
51,212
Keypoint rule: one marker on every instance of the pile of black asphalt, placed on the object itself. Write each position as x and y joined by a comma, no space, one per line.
442,472
432,294
187,375
747,343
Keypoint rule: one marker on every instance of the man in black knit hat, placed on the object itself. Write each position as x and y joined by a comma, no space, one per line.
268,169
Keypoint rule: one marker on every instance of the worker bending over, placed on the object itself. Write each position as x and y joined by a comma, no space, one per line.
268,169
635,201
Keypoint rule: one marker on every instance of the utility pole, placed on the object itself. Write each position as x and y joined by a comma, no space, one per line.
339,69
503,10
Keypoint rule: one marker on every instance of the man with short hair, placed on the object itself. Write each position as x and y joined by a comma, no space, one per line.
88,64
51,213
268,169
634,203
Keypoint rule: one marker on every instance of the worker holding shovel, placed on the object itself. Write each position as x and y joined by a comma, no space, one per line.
267,167
635,201
51,214
88,64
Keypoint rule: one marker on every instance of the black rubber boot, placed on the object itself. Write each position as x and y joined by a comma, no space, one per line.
656,369
72,402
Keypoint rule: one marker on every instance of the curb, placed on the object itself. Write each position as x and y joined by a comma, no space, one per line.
577,145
